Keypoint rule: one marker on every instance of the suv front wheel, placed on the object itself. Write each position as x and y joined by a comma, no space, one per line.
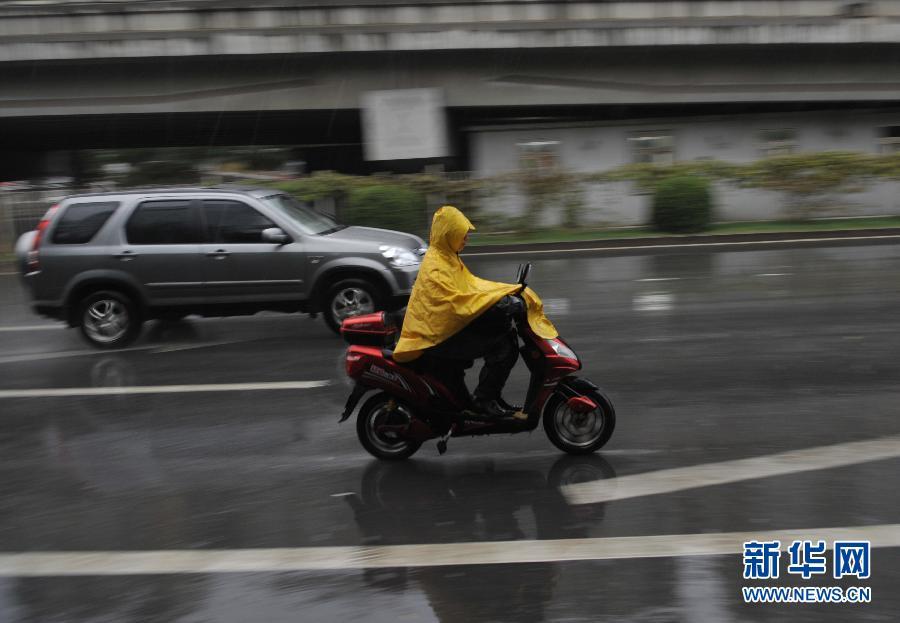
108,319
350,297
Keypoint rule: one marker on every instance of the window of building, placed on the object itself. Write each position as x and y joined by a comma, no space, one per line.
233,222
652,147
162,222
777,142
81,222
889,141
539,155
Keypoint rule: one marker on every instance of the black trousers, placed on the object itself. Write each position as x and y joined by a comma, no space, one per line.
450,359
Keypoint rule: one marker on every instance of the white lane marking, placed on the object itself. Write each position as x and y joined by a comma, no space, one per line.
710,474
69,353
659,279
174,348
556,307
772,274
41,564
255,317
680,246
258,317
687,338
158,389
153,348
657,301
32,327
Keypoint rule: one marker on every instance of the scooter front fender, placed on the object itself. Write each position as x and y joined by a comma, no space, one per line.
575,389
578,386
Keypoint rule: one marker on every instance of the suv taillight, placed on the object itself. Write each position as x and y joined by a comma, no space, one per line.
34,262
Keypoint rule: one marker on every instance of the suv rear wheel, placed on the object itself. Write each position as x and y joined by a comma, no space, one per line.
108,319
350,297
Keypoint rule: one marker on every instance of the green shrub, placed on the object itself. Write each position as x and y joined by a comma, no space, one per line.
387,205
682,204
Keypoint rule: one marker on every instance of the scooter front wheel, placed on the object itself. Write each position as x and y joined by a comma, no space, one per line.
579,433
379,425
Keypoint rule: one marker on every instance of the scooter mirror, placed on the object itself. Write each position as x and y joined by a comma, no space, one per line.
523,273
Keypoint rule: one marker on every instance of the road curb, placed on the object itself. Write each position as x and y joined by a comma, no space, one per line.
669,243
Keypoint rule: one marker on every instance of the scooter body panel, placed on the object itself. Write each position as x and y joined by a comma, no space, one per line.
370,367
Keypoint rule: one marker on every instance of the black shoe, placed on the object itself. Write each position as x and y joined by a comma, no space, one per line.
508,406
492,408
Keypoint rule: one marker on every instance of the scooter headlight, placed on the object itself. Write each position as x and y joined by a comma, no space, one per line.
560,348
398,257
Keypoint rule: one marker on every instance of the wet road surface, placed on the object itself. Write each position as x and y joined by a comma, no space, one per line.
708,357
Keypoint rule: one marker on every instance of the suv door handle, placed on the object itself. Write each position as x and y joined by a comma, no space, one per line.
125,256
218,254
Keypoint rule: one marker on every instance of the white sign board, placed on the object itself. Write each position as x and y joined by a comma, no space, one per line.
403,124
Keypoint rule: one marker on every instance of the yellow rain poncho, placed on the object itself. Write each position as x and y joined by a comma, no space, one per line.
446,296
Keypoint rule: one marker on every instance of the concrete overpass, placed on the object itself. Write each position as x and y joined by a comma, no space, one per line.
164,28
77,75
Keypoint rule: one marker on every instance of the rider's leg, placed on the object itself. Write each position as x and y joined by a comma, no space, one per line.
451,372
499,360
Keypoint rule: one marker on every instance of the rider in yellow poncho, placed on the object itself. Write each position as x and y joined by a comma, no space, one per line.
456,317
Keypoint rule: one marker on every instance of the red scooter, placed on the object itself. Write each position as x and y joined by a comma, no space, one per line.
412,406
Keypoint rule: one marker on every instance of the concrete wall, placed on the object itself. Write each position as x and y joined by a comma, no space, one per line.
594,147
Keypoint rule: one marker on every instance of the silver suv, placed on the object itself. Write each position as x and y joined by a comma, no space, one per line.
107,262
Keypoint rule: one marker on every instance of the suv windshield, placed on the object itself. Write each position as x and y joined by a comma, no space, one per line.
307,219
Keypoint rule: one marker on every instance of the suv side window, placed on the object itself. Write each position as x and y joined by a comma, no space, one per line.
81,222
162,222
233,222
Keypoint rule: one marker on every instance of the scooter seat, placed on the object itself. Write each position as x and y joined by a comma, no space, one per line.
388,353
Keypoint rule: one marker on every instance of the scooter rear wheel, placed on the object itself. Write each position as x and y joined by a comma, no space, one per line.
379,411
579,433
